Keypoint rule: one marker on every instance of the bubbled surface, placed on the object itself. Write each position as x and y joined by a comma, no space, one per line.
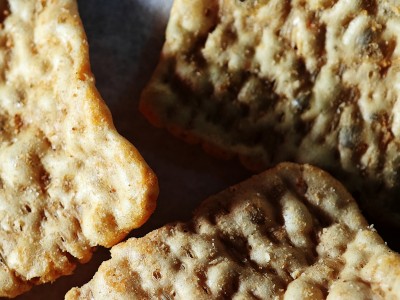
290,232
68,180
306,81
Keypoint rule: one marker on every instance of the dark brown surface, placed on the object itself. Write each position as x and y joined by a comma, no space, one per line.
125,38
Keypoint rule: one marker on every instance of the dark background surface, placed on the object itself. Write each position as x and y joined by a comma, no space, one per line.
125,38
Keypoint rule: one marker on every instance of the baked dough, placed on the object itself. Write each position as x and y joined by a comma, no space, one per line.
292,232
311,81
68,180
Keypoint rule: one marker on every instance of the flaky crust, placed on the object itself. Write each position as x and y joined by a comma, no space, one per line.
68,180
307,81
292,232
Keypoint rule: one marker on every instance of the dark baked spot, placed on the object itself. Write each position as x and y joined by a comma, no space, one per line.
4,10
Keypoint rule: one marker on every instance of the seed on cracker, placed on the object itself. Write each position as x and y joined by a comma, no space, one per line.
68,180
292,232
307,81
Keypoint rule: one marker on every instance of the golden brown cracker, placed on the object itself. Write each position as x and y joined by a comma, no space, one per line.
68,180
270,81
290,232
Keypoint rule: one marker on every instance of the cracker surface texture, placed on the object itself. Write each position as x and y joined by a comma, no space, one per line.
68,180
292,232
269,80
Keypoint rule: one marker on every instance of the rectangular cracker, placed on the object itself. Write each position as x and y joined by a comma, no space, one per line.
68,180
270,81
292,232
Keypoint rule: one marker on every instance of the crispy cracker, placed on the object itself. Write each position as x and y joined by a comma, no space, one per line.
292,232
68,180
269,80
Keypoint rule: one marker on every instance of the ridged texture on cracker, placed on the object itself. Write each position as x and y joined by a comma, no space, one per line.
68,180
292,232
308,81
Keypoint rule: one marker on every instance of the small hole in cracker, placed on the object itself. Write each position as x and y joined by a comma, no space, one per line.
157,275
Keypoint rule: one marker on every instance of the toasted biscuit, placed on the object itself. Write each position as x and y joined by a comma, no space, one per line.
292,232
306,81
68,180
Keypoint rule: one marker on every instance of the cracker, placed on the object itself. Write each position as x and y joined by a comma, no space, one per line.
68,180
271,80
292,232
